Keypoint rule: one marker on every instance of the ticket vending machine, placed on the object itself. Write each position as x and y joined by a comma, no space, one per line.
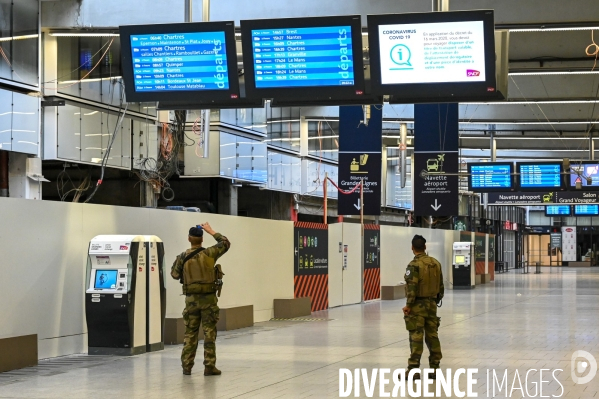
125,300
462,270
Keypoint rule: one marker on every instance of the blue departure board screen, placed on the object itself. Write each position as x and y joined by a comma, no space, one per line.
490,176
303,57
557,210
179,62
540,175
584,210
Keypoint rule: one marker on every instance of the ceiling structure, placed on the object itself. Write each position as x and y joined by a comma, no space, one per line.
552,105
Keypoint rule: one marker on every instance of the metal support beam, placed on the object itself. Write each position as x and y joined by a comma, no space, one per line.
440,5
188,10
591,147
205,10
493,147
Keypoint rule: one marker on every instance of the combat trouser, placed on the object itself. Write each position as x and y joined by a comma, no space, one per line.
194,315
423,325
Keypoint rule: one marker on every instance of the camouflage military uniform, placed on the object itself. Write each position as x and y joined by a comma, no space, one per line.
200,309
422,322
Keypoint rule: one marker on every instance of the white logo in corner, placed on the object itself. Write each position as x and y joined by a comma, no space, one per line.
407,272
578,367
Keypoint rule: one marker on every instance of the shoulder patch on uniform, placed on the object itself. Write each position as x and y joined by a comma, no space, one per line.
408,272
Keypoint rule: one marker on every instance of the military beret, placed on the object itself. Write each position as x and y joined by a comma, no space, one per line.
196,232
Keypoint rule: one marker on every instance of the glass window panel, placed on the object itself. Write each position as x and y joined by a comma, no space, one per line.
112,91
149,109
244,117
91,90
5,31
110,128
331,190
69,132
244,158
5,120
228,116
323,139
259,120
316,172
228,155
25,124
91,136
126,143
275,170
138,137
287,176
259,161
25,50
283,128
296,174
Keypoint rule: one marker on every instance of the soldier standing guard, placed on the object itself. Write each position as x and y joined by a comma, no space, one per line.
201,278
424,291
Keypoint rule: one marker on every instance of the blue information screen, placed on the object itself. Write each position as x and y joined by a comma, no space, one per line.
303,57
582,210
581,172
540,175
105,279
179,62
558,210
491,176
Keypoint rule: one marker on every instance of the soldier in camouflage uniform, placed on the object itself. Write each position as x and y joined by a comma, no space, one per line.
198,278
424,290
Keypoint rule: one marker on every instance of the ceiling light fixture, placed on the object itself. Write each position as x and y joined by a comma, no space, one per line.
81,34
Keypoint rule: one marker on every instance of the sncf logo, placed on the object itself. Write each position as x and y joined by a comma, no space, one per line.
123,248
472,72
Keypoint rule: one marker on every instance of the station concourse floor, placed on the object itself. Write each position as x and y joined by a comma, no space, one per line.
533,321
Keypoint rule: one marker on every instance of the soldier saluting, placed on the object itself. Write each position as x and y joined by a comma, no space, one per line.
424,290
201,278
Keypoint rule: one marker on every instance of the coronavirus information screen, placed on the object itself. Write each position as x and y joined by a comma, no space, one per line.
303,57
543,176
179,62
490,176
444,52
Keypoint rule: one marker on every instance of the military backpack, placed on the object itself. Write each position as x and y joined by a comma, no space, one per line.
200,274
429,273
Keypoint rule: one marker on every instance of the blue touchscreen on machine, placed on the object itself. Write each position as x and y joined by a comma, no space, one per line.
179,61
303,57
105,279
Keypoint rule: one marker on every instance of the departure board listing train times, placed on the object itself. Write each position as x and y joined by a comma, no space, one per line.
179,62
540,176
491,176
442,52
303,57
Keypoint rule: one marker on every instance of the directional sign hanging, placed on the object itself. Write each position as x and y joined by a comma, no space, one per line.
353,168
435,183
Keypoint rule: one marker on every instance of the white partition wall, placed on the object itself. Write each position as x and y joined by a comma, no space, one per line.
396,252
335,265
44,246
352,275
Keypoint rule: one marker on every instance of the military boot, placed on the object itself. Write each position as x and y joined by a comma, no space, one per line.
186,371
211,370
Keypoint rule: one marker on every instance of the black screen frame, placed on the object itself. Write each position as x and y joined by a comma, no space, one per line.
574,213
584,188
497,189
434,92
525,189
557,216
193,96
330,95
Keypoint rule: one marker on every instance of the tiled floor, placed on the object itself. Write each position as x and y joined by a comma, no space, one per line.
519,322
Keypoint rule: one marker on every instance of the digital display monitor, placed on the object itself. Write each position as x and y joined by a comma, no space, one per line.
540,175
579,172
312,58
427,57
175,62
586,210
490,176
460,259
105,279
558,210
